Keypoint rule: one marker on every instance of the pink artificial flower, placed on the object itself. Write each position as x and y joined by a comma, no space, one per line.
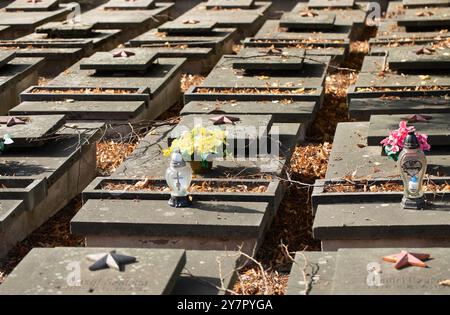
394,142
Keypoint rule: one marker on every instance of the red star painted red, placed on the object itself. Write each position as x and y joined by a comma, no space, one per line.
417,117
123,53
223,119
405,258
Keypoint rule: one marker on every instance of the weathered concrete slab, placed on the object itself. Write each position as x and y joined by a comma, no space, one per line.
352,155
364,272
319,21
322,4
109,61
230,4
83,110
160,83
66,29
147,159
44,272
131,22
6,56
410,280
189,27
15,76
425,3
287,59
281,111
129,4
27,5
66,165
411,58
34,131
320,268
245,136
247,21
381,224
223,75
124,188
430,17
362,108
27,189
437,128
208,225
22,23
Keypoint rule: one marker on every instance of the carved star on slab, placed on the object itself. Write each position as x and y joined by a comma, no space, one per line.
123,53
110,260
405,258
223,120
417,117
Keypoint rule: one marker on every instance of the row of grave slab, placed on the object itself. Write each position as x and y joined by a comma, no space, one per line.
276,83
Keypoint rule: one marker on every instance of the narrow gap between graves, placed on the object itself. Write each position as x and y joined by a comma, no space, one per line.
291,230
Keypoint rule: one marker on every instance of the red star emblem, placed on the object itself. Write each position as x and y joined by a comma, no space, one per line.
223,120
417,117
123,53
405,258
34,1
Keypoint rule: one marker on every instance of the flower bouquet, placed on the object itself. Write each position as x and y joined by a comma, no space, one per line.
198,145
393,144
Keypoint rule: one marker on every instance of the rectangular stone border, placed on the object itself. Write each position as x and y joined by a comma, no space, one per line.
319,196
192,95
353,94
141,94
274,193
29,189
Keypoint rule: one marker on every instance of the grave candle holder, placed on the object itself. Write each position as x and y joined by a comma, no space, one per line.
178,177
412,165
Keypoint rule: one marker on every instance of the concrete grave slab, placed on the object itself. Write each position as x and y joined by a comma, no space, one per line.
320,268
281,111
322,4
108,61
425,3
189,27
206,225
437,128
411,58
148,158
131,22
26,5
129,4
84,110
203,50
22,23
259,60
410,280
362,108
33,132
155,272
15,76
160,83
230,4
248,134
425,17
4,31
124,188
351,152
6,56
320,21
381,224
65,165
247,21
66,29
27,189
